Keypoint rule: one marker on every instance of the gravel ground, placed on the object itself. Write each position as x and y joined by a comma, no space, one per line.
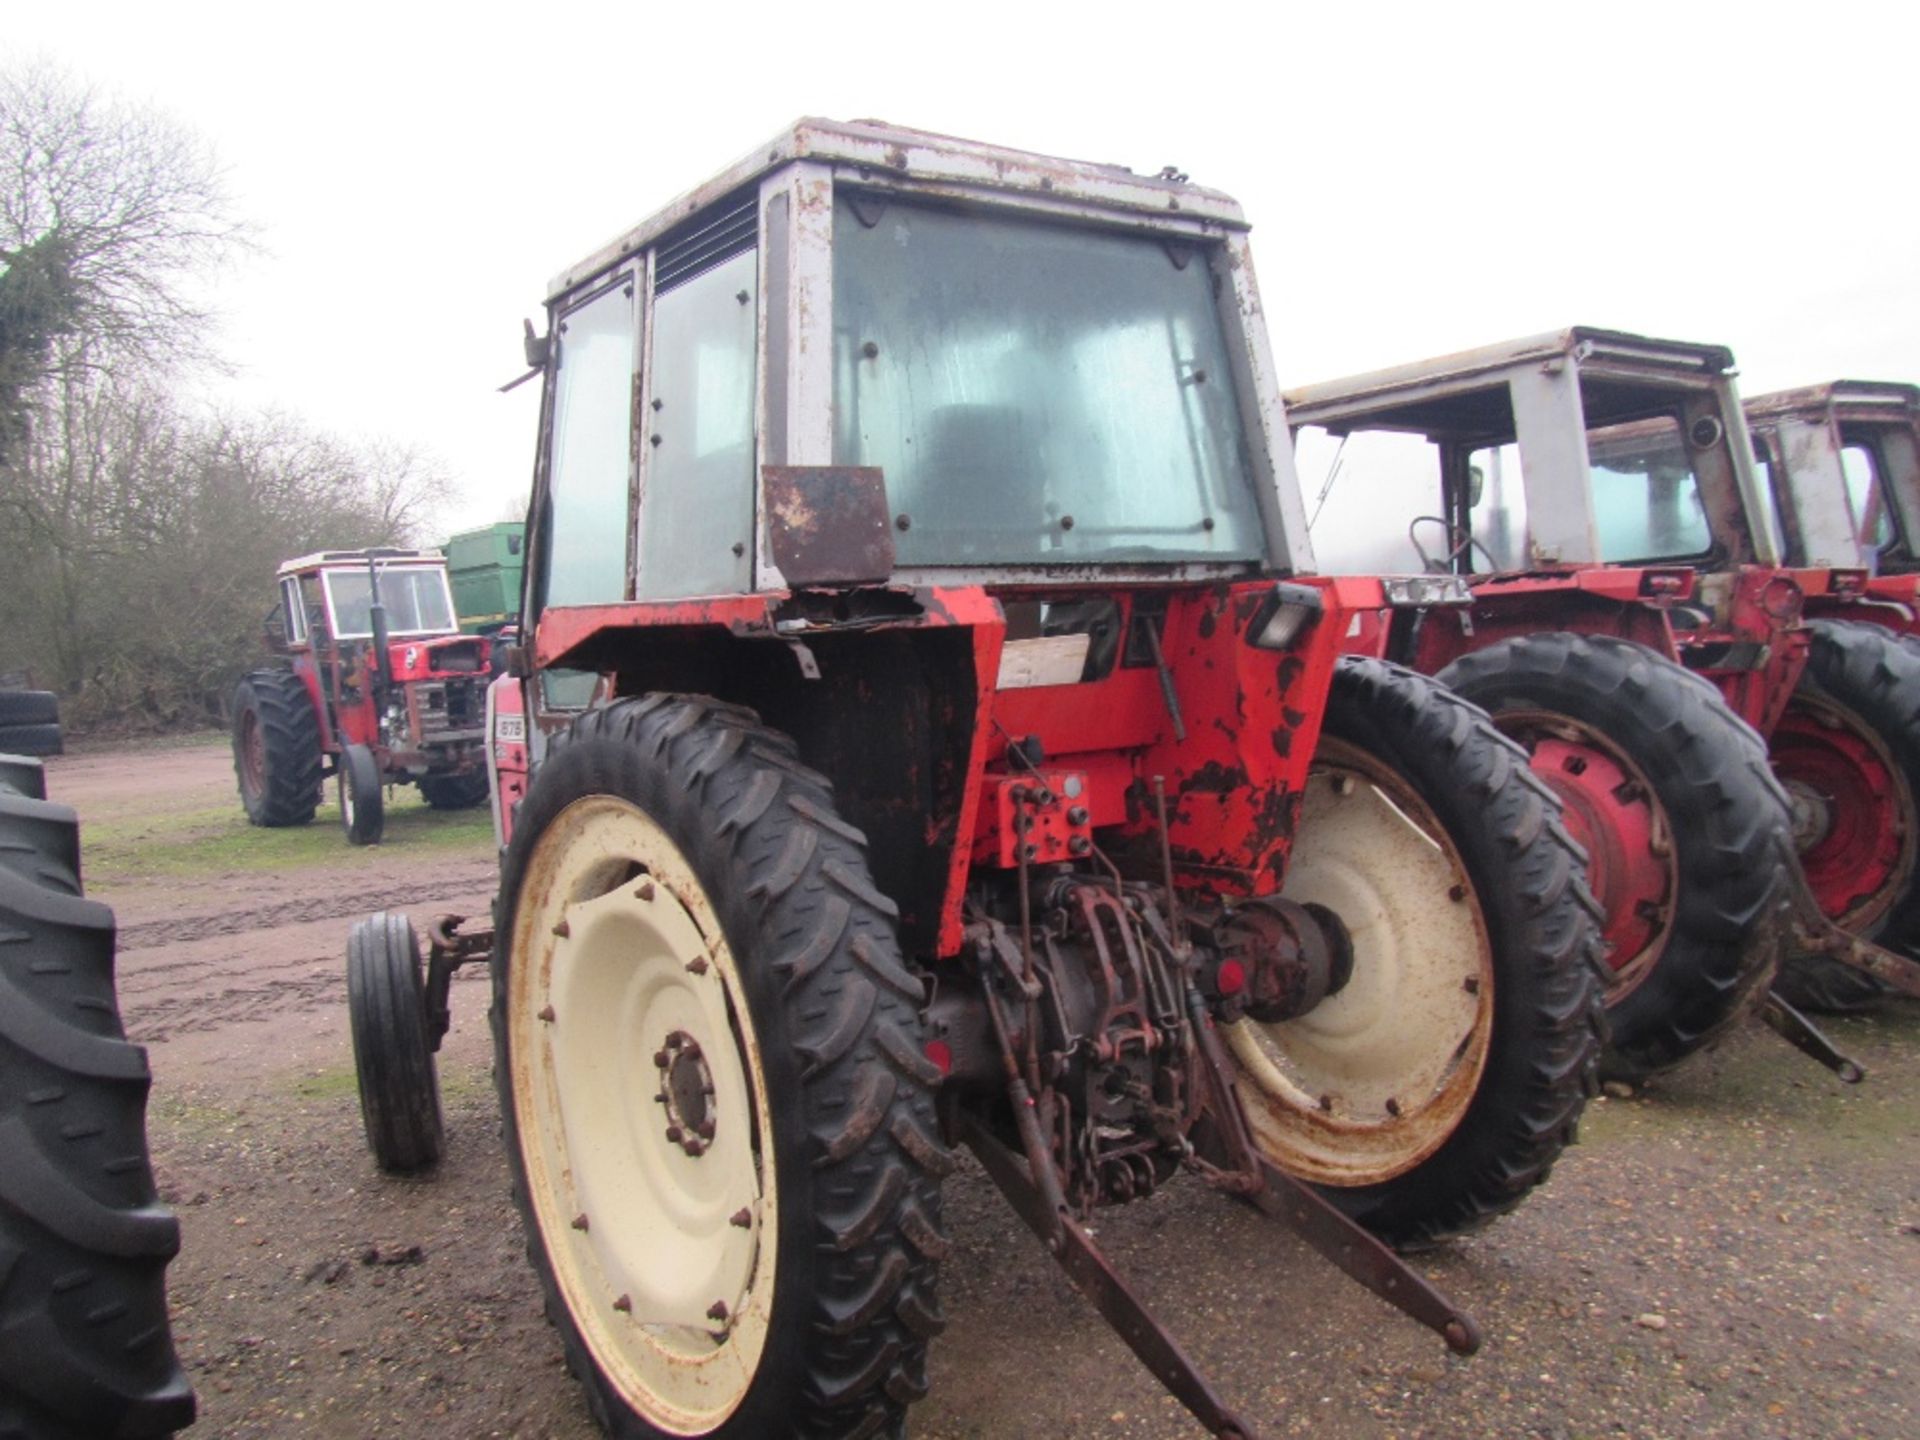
1732,1252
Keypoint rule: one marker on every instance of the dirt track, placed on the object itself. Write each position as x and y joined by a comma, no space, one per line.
1735,1253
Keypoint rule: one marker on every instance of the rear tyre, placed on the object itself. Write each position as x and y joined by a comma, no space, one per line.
85,1349
1439,1084
276,748
454,792
1848,752
1670,794
719,1118
363,805
392,1052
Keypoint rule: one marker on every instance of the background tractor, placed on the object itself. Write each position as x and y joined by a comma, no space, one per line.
379,688
1842,464
1591,496
976,764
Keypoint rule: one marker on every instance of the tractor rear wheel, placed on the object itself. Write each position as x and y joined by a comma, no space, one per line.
84,1240
719,1117
392,1052
1683,824
363,805
1848,752
1437,1086
454,792
276,748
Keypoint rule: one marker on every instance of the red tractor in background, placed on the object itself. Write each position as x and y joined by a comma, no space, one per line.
974,762
1592,496
380,689
1842,463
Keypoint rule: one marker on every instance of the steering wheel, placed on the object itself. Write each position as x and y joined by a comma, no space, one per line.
1467,544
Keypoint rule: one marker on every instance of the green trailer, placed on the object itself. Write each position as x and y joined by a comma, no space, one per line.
484,566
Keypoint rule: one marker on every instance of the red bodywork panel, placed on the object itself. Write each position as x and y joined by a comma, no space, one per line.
1251,717
1740,629
1889,601
354,720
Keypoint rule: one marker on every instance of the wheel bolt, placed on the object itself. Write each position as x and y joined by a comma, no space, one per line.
645,891
546,1014
660,1059
580,1221
743,1217
674,1134
562,929
705,1129
624,1304
697,966
717,1310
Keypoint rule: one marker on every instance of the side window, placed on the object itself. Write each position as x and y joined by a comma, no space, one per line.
696,510
295,612
1646,496
586,532
1363,491
1872,521
314,602
1498,513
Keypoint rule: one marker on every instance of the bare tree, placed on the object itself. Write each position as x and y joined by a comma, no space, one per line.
115,208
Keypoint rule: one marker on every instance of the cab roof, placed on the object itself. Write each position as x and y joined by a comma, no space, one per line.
1855,399
340,559
875,150
1580,343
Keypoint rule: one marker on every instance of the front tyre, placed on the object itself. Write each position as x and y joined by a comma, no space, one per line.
363,806
454,792
392,1049
718,1115
1435,1088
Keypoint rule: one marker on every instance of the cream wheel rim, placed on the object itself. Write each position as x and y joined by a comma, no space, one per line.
642,1115
1374,1079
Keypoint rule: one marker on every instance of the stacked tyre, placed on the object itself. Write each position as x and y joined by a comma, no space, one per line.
29,723
85,1348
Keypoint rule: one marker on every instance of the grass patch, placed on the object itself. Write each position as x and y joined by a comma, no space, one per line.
217,839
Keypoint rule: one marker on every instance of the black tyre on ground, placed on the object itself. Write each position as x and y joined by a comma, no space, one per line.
1848,752
28,707
276,748
363,802
31,740
1721,819
392,1052
1425,831
454,792
85,1349
677,815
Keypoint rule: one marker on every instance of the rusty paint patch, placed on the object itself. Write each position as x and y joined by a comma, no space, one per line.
827,524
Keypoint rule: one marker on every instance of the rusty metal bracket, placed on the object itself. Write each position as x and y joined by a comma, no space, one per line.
1814,934
446,953
1363,1257
1801,1033
1094,1278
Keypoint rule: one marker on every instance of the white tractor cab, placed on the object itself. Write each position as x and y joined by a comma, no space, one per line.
1597,493
1841,462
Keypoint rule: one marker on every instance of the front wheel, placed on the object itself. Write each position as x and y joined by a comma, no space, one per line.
363,808
392,1050
1437,1086
454,792
719,1118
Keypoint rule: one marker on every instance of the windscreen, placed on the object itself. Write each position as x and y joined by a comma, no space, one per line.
416,602
1036,392
1646,496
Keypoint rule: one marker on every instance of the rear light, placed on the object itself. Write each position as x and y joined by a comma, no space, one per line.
1667,584
1283,614
1419,591
941,1054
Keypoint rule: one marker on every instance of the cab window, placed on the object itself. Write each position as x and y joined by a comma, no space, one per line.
586,530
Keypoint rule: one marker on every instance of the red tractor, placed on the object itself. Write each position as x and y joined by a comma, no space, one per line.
977,766
1591,497
1842,462
380,689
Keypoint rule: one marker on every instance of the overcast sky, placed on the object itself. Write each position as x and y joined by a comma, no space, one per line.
1420,178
